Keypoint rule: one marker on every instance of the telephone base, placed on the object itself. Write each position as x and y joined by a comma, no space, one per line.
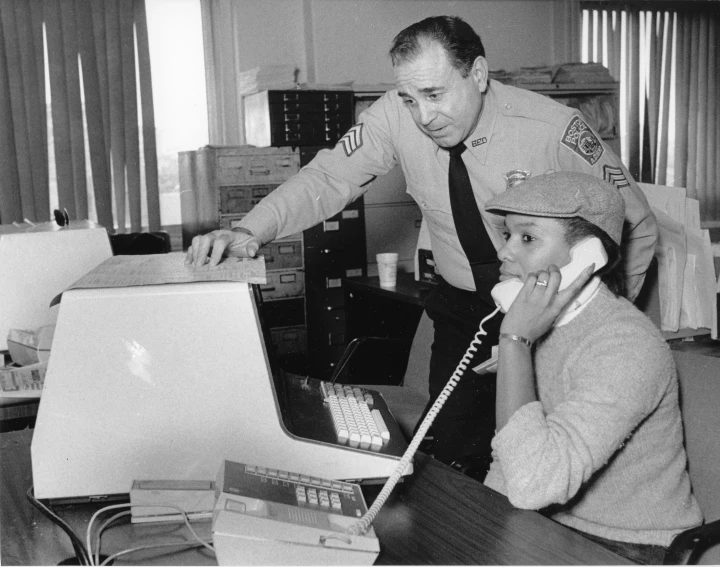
256,541
274,517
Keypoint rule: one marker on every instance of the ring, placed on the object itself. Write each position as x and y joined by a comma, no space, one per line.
544,284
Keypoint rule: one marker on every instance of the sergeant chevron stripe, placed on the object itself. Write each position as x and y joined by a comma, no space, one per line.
615,176
352,140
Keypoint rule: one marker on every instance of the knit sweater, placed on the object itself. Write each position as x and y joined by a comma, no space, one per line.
602,450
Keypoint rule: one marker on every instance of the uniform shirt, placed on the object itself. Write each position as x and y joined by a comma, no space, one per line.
517,130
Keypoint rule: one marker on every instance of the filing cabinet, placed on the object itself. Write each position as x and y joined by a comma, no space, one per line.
333,250
217,182
297,117
303,299
219,186
305,121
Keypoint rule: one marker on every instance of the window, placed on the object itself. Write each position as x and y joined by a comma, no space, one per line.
178,73
665,55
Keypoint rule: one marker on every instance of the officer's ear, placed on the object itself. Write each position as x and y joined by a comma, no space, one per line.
479,72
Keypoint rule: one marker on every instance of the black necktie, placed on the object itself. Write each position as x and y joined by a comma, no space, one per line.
469,225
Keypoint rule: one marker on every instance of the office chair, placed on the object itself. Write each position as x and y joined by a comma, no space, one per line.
134,243
408,399
699,377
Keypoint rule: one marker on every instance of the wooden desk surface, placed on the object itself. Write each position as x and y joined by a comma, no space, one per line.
438,516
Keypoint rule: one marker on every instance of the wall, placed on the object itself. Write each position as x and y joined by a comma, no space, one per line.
335,41
351,37
269,32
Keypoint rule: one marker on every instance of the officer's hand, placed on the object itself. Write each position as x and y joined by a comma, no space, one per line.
217,243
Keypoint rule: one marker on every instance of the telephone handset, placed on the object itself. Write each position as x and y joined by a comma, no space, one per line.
589,251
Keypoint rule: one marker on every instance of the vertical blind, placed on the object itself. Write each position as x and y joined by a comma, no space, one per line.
98,108
665,55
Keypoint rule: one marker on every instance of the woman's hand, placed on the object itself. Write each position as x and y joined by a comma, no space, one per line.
539,303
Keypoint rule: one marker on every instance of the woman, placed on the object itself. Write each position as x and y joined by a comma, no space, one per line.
588,425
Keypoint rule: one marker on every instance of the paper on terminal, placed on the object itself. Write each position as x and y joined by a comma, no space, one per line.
157,269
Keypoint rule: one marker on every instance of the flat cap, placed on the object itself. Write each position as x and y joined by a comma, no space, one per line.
566,194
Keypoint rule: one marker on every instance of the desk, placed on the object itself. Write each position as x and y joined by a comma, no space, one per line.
407,290
438,516
375,311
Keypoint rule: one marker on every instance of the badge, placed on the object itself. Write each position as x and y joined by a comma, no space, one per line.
352,140
615,176
582,140
515,177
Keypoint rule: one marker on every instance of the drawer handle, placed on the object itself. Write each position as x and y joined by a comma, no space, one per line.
259,171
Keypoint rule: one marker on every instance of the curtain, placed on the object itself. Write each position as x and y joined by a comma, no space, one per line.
225,115
105,166
665,55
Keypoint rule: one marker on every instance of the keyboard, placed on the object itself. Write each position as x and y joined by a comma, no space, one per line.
356,423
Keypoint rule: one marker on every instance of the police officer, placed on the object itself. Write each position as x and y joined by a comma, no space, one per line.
443,102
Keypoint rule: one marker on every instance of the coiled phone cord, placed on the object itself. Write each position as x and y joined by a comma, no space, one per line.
363,524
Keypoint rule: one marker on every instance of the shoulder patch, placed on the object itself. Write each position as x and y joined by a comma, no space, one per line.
352,140
615,176
579,138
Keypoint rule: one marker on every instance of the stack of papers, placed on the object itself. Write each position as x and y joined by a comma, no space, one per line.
582,73
687,281
529,75
501,75
22,381
157,269
267,77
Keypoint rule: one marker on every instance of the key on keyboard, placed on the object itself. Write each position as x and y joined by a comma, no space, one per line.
355,423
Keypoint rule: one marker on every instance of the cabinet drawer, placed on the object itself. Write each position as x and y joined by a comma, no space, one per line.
284,313
289,340
283,254
259,168
240,199
283,285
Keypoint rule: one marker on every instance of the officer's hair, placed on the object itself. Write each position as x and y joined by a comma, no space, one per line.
613,273
459,40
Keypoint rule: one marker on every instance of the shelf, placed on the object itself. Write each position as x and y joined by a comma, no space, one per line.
570,88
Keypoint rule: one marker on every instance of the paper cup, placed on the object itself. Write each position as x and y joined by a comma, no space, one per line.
387,269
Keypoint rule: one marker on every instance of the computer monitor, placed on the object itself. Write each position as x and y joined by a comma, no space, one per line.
38,262
167,381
